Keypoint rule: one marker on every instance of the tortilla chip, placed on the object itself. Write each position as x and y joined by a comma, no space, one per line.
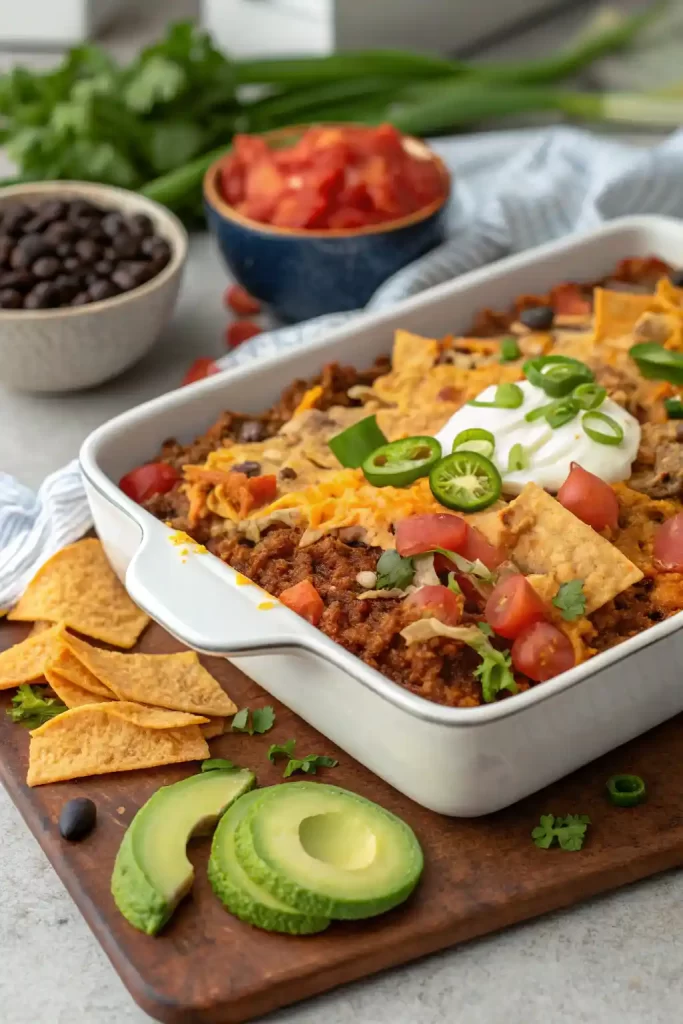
25,661
176,681
69,693
616,313
99,738
78,587
65,662
214,727
544,537
413,353
40,626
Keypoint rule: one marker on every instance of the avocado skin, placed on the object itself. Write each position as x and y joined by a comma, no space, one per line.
312,903
138,901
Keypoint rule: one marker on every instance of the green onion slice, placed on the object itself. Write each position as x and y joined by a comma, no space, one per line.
354,444
509,349
557,375
674,408
508,396
562,411
616,435
476,439
626,790
400,463
465,481
590,396
517,459
657,363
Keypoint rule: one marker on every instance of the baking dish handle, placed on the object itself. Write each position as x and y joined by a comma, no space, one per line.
205,603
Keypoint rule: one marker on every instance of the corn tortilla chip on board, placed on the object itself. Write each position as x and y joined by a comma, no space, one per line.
177,681
68,666
25,662
78,587
114,737
70,693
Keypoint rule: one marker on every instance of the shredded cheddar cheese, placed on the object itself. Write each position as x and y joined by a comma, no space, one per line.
309,399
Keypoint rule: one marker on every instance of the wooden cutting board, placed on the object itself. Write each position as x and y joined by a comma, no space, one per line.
480,875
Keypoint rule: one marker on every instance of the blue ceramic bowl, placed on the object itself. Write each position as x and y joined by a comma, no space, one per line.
303,274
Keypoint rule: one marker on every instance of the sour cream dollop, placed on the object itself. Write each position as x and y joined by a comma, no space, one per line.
549,452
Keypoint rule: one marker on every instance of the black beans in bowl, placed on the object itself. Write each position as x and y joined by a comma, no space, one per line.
70,252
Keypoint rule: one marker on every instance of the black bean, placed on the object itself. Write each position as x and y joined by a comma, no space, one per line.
252,430
14,217
156,247
68,286
22,280
52,209
538,318
123,279
43,296
80,299
110,254
90,277
141,270
61,231
676,278
6,246
28,249
102,289
87,250
140,225
10,298
81,208
46,267
112,224
64,249
77,818
36,225
249,468
287,473
104,268
125,246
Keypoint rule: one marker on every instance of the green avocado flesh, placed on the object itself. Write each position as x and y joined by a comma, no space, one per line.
327,852
242,897
152,872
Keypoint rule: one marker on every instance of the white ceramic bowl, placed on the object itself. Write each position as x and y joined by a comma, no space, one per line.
77,347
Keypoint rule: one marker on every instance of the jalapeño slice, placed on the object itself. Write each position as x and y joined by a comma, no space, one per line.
465,481
353,445
657,363
401,463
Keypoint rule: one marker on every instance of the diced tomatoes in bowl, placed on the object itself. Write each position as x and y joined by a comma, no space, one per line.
341,177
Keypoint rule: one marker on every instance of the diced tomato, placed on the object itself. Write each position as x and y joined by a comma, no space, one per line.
589,498
668,544
542,651
152,478
513,606
305,600
265,186
262,488
426,532
346,218
438,602
241,330
478,548
232,180
302,209
567,299
201,368
241,302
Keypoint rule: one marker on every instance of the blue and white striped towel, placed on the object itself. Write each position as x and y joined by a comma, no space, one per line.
513,190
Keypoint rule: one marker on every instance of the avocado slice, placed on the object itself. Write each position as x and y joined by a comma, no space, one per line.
152,873
242,897
328,852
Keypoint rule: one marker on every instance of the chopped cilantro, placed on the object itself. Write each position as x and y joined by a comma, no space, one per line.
568,832
571,600
394,571
213,764
32,708
259,720
285,749
494,672
308,765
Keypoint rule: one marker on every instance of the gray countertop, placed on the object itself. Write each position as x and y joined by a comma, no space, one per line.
614,959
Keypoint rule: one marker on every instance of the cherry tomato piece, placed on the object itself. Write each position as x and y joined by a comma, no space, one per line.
241,330
305,600
439,603
201,368
262,488
152,478
589,498
418,534
478,548
668,544
513,606
240,301
567,299
542,651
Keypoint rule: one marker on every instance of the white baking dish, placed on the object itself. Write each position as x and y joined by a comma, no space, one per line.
456,761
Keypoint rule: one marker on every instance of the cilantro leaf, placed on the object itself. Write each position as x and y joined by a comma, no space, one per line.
394,571
263,719
571,600
285,749
309,764
495,673
213,764
31,707
241,723
158,80
569,832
